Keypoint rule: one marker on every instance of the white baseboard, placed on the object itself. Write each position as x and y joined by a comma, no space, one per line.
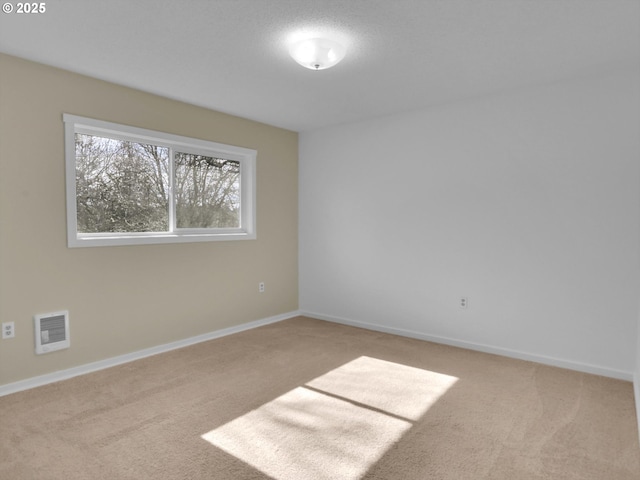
555,362
130,357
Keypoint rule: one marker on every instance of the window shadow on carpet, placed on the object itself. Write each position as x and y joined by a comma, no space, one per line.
337,425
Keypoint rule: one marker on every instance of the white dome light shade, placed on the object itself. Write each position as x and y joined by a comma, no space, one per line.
317,53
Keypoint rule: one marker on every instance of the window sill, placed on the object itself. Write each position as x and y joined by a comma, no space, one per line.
141,239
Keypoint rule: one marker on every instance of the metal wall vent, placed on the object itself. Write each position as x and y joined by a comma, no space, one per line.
52,332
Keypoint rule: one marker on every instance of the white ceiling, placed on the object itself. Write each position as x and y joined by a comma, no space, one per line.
231,55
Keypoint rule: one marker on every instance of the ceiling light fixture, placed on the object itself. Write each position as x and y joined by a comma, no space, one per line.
317,53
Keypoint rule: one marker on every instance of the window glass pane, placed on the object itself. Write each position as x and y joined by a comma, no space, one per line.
121,186
207,191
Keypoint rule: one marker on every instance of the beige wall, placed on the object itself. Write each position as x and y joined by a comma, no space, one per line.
124,299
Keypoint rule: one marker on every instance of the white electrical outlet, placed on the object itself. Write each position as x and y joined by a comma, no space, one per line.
464,303
8,330
261,287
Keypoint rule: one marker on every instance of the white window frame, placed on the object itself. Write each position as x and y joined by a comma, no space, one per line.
247,231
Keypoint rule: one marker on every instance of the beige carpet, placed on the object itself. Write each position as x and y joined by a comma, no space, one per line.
305,399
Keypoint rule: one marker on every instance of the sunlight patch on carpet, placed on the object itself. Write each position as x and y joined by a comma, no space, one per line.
394,388
336,426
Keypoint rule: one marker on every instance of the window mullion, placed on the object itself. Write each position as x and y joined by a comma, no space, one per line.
172,202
